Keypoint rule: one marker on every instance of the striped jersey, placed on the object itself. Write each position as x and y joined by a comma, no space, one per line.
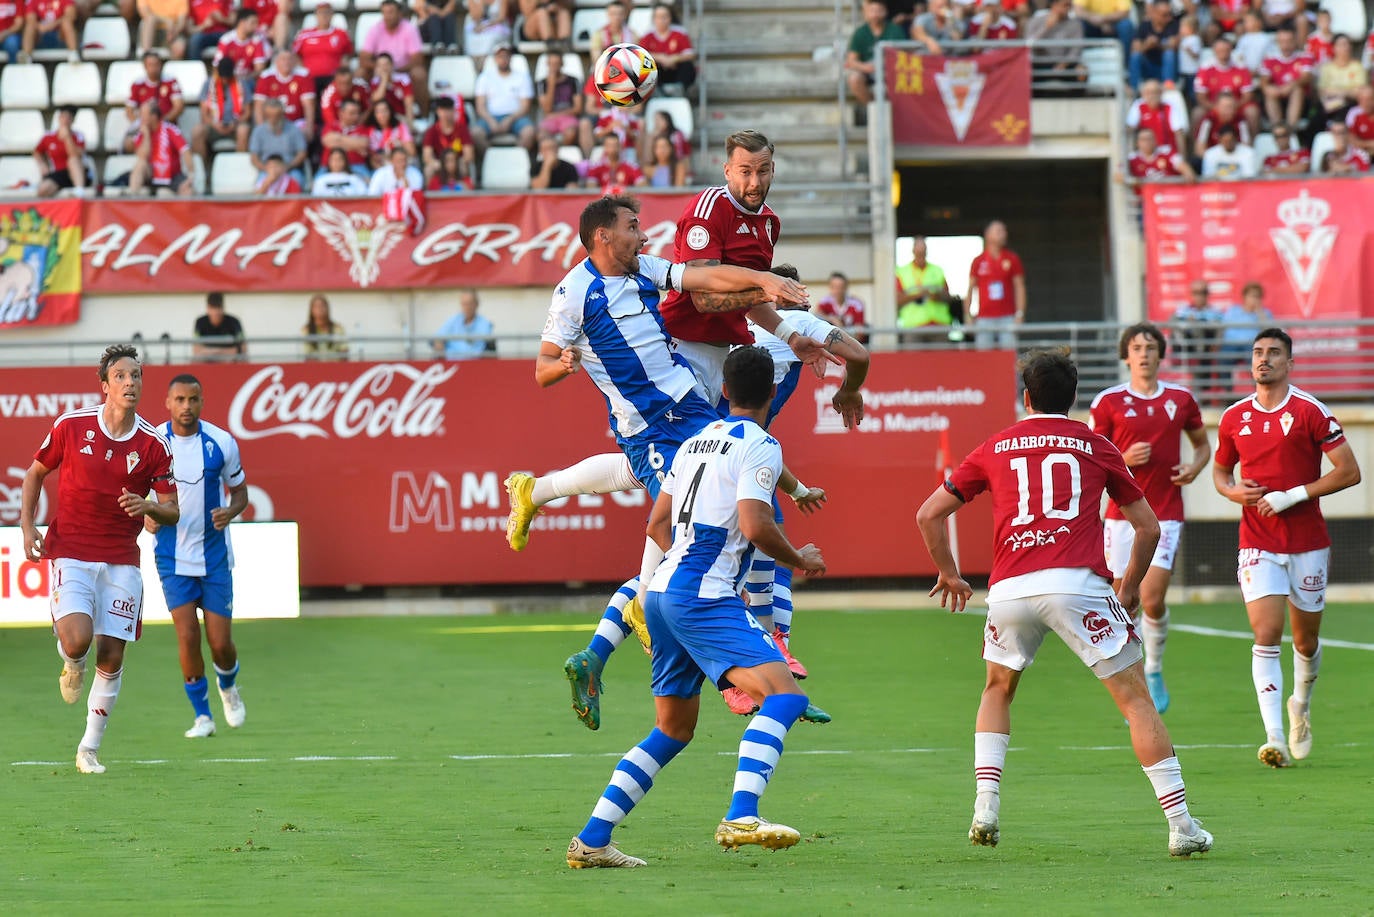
206,462
787,367
731,460
614,322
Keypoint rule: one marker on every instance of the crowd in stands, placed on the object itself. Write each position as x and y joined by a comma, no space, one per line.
291,93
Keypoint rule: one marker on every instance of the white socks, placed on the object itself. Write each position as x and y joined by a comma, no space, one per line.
1305,674
99,705
1154,633
600,474
989,755
1267,670
1167,778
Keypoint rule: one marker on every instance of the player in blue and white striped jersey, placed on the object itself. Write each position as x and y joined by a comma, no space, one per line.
195,557
713,508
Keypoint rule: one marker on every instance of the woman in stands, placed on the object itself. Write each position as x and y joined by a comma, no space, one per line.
386,132
663,168
450,176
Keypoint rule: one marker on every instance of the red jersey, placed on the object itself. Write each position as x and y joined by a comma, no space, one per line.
168,144
202,10
47,10
713,226
1319,49
357,130
1047,474
1164,120
292,90
96,468
1213,80
1003,28
677,42
1354,157
1127,417
322,50
1210,125
246,55
167,92
56,151
437,140
227,100
1284,70
1361,123
331,99
1229,12
266,10
400,95
1287,159
622,176
1280,449
620,122
1164,163
10,11
849,314
994,275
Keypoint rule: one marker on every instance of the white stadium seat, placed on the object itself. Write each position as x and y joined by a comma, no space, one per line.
115,166
105,38
368,5
505,167
76,84
1103,66
364,25
19,176
1347,18
20,130
572,66
1264,147
86,124
680,110
116,126
641,21
23,86
570,153
586,23
452,75
118,78
1321,145
233,173
197,174
190,76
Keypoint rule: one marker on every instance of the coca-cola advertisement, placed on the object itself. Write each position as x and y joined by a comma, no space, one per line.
465,241
394,471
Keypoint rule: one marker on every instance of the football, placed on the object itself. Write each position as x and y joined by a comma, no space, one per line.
625,75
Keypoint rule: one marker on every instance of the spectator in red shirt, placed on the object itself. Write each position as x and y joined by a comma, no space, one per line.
1224,114
448,132
385,133
1288,157
1360,120
61,157
322,47
153,86
274,18
998,281
991,23
12,27
244,47
1150,111
672,51
1285,79
276,181
351,136
1152,162
293,87
546,20
396,88
163,156
49,24
452,175
167,16
610,171
210,20
1343,158
224,111
344,86
1320,43
842,310
438,23
560,102
1224,74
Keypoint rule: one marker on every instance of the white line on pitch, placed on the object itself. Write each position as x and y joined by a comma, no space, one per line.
1246,635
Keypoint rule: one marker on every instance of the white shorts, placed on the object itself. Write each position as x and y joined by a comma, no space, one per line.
1300,577
708,366
1095,627
111,595
1119,538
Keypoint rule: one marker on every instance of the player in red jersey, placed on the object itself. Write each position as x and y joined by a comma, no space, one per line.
344,86
1046,474
153,85
110,459
291,85
322,47
1146,419
1285,78
244,46
1224,75
1152,162
1278,436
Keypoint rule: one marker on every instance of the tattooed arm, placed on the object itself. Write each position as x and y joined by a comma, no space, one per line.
723,302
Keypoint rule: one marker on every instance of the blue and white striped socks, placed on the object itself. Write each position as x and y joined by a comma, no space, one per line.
633,777
760,750
612,630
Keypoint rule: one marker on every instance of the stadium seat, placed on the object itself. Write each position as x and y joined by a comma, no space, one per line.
505,167
1104,68
680,110
1321,145
86,124
339,20
233,173
453,76
23,86
189,120
571,153
76,84
572,66
20,130
339,6
190,76
1347,18
586,22
105,38
118,78
1264,146
367,6
19,176
116,126
364,25
641,21
519,63
115,166
197,174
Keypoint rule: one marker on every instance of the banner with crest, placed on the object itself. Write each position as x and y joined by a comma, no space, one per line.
979,100
130,246
40,263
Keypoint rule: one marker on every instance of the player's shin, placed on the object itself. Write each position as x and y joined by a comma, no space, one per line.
989,757
198,693
760,750
782,600
1305,669
1267,671
599,474
1166,777
612,629
633,777
100,704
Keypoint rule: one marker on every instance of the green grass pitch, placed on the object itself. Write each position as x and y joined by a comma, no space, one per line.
427,765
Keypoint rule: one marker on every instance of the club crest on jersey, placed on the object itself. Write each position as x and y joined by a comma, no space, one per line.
109,454
90,434
131,461
1286,422
1170,408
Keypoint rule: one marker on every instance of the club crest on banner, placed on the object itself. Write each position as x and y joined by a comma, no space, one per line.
362,240
961,86
1304,244
28,256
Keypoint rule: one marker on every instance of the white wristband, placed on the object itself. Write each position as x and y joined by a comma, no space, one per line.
799,491
1281,500
784,330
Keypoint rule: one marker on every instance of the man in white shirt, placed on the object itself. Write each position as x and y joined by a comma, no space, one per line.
1229,159
397,173
504,98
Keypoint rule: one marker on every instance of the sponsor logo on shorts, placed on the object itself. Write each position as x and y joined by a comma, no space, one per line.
1099,627
994,637
1315,582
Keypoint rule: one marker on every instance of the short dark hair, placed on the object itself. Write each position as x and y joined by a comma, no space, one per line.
1051,379
443,102
69,110
1149,330
1226,129
838,275
113,354
748,376
1277,334
153,54
183,379
277,157
749,141
786,270
387,54
215,300
244,14
602,214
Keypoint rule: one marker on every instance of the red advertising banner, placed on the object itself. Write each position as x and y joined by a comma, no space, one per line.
980,100
394,471
40,263
131,246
